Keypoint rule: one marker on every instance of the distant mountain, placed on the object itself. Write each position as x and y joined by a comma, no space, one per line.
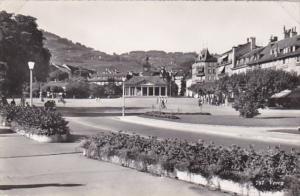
65,51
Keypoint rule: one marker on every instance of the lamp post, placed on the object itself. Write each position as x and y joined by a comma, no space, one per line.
31,66
123,107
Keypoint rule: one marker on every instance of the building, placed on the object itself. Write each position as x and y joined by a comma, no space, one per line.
106,78
281,54
204,69
229,62
148,83
146,86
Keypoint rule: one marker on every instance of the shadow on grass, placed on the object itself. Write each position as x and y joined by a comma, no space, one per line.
76,138
96,114
30,186
40,155
275,117
5,131
291,131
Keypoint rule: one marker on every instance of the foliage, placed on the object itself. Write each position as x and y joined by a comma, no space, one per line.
58,75
97,90
161,115
267,171
50,105
258,86
112,90
251,90
20,42
78,88
183,87
36,120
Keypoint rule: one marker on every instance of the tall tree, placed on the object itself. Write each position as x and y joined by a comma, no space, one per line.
20,42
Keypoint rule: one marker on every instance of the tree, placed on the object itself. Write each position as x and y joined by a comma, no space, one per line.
97,90
77,88
112,90
20,42
183,87
254,88
58,75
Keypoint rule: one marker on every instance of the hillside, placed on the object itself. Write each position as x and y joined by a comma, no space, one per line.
68,52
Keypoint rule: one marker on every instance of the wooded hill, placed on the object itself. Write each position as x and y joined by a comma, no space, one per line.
65,51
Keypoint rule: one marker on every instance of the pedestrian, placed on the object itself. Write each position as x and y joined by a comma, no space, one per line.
4,101
13,103
22,101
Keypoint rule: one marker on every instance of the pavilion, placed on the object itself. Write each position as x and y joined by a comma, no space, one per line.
146,86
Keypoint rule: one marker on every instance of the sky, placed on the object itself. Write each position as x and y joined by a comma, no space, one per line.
182,26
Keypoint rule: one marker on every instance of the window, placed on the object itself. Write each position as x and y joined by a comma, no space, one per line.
144,91
150,91
298,59
163,91
156,91
283,61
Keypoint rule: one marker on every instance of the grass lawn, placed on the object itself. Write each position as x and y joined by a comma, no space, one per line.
220,115
239,121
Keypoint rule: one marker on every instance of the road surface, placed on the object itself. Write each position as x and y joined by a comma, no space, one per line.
81,126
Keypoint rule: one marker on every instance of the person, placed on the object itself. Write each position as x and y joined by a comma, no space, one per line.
4,101
23,101
13,103
199,102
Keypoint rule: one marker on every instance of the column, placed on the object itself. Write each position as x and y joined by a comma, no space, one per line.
135,91
160,91
153,91
147,91
166,88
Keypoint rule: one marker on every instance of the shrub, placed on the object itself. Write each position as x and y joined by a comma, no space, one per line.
266,171
50,105
36,120
161,115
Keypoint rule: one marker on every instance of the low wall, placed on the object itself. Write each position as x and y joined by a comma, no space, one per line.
42,138
214,182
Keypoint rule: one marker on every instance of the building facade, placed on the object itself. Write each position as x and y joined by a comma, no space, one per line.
205,67
148,83
146,86
281,54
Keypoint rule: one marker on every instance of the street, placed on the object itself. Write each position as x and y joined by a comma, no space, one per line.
53,169
93,125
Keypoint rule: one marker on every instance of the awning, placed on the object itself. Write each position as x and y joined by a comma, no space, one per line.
281,94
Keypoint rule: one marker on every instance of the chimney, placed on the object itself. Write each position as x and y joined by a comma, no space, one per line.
233,56
252,43
273,39
286,32
294,32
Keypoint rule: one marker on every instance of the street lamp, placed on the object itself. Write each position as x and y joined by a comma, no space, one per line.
123,107
31,66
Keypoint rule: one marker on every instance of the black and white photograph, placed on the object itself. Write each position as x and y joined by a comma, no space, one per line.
149,98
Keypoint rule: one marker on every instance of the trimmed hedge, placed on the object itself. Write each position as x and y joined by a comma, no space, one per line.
35,120
266,171
161,115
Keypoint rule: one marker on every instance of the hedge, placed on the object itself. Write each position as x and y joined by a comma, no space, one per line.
266,171
35,120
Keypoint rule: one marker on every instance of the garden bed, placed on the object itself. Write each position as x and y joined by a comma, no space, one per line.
233,169
36,123
161,115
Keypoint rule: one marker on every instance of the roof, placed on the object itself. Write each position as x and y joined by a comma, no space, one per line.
280,45
155,80
295,93
205,56
281,94
264,53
